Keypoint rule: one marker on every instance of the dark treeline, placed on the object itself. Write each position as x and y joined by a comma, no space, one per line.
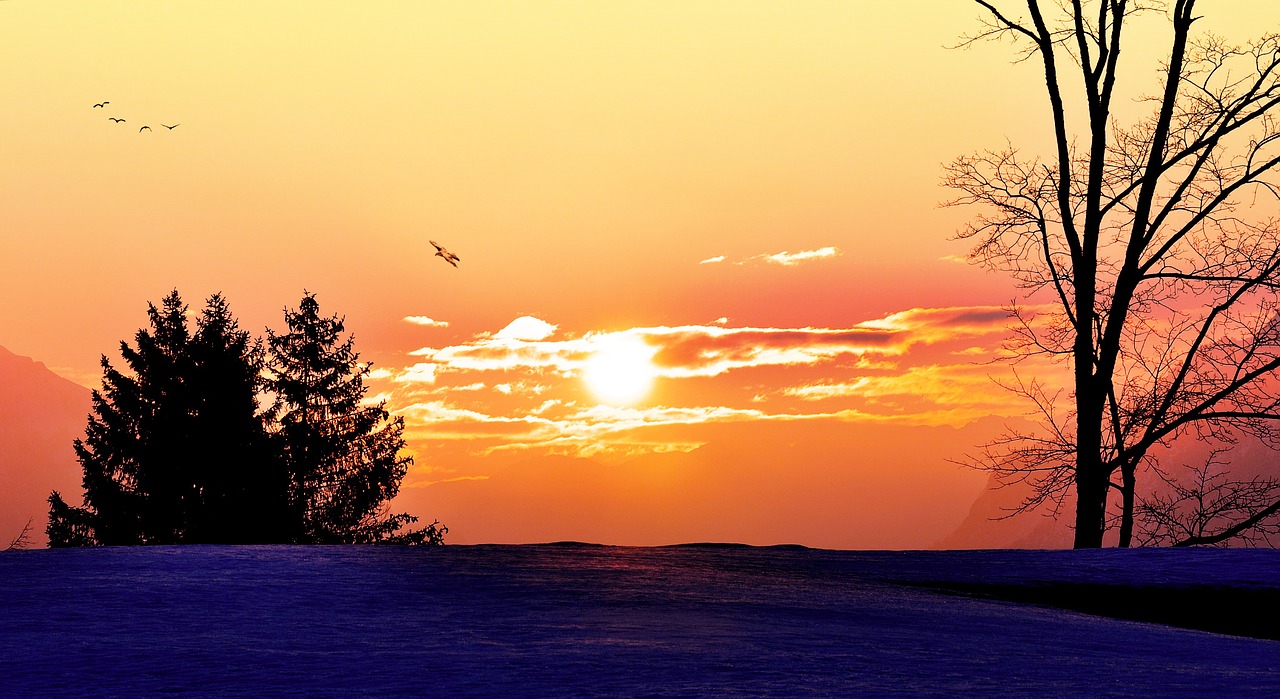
214,436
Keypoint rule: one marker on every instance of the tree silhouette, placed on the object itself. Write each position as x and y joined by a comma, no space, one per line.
240,481
174,451
343,457
1164,290
22,540
1210,508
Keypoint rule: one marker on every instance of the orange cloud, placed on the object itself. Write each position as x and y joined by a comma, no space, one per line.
877,370
939,384
708,350
583,430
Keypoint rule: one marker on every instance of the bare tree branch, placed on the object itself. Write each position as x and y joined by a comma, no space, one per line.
22,540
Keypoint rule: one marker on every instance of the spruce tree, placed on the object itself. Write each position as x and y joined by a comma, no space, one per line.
342,457
174,450
240,482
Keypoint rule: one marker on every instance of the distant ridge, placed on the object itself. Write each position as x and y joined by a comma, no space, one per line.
990,526
40,414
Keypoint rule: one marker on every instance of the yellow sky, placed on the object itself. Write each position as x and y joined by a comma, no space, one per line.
582,157
642,168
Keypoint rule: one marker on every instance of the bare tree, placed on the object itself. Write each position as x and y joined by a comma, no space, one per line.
1148,241
22,540
1208,508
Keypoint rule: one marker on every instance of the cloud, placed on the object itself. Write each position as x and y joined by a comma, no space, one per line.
879,369
425,321
790,259
524,388
954,319
784,258
422,372
822,391
526,328
954,384
581,430
429,483
438,411
711,350
546,405
699,350
936,393
615,418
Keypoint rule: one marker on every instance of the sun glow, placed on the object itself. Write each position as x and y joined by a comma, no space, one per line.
619,371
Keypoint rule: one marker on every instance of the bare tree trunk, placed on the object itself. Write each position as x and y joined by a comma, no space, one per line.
1129,479
1091,504
1091,472
1091,475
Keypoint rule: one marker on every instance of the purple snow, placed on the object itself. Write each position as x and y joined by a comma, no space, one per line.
579,620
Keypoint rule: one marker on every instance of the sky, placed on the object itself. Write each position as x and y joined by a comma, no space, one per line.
681,226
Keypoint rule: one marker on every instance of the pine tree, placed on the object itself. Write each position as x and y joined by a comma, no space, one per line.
174,451
343,457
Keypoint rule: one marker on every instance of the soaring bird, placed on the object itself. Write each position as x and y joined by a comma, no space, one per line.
171,128
448,256
145,128
118,121
101,104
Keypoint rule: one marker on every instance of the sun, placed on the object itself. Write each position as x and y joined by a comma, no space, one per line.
619,371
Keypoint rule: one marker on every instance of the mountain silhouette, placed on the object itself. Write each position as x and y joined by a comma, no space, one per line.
40,414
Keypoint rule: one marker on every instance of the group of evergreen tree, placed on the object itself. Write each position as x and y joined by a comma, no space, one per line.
215,436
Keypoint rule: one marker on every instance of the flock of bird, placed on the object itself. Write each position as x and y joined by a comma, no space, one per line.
440,251
104,103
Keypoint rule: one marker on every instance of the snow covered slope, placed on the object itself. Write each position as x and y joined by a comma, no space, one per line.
579,620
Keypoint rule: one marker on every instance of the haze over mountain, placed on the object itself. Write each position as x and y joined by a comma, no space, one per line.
989,524
872,486
41,413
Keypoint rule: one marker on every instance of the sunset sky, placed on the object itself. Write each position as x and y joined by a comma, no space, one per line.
680,224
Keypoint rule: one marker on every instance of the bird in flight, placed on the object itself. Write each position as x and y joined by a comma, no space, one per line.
171,128
448,256
101,104
118,121
144,128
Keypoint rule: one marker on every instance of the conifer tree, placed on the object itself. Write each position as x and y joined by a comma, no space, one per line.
240,481
174,450
342,456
